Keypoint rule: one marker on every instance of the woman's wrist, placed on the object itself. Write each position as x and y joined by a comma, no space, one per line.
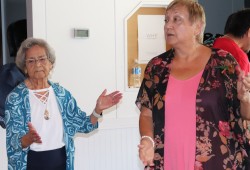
26,141
98,111
150,139
97,114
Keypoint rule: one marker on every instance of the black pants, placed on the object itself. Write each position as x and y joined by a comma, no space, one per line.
47,160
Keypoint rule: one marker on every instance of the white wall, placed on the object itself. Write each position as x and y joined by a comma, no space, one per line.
3,154
87,66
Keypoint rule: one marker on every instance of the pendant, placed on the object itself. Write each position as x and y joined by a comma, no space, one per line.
46,114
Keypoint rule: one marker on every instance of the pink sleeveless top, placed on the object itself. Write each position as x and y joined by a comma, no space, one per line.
180,123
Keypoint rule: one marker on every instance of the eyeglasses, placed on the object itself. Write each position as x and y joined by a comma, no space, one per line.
32,61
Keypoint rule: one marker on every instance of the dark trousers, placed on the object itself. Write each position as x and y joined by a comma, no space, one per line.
47,160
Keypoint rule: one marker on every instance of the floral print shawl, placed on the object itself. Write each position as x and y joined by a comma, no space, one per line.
219,136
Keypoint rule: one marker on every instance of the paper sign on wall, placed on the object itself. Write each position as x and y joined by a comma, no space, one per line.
151,39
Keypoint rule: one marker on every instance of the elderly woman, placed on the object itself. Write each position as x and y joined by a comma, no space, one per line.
42,117
192,100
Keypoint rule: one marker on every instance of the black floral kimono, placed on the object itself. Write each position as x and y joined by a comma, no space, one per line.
219,134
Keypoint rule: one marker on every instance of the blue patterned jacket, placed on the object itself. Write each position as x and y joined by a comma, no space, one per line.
17,116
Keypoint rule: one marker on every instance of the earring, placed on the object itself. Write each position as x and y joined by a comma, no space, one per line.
25,72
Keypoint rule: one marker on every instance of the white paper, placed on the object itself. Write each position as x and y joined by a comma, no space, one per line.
151,39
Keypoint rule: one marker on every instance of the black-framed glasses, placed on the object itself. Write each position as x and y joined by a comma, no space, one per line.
32,61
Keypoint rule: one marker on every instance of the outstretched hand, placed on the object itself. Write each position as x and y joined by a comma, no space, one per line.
243,87
243,90
106,101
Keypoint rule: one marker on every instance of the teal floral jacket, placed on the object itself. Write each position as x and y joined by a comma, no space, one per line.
17,116
219,131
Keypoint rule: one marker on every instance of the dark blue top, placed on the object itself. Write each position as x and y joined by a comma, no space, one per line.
10,77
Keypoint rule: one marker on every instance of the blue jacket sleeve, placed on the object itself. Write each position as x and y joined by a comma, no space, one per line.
75,120
15,129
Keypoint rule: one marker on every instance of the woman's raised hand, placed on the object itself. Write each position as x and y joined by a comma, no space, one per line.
106,101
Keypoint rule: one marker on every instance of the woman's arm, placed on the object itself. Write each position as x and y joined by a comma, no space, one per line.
146,122
146,147
243,89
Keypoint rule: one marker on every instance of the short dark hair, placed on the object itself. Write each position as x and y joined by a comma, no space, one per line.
228,23
238,23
